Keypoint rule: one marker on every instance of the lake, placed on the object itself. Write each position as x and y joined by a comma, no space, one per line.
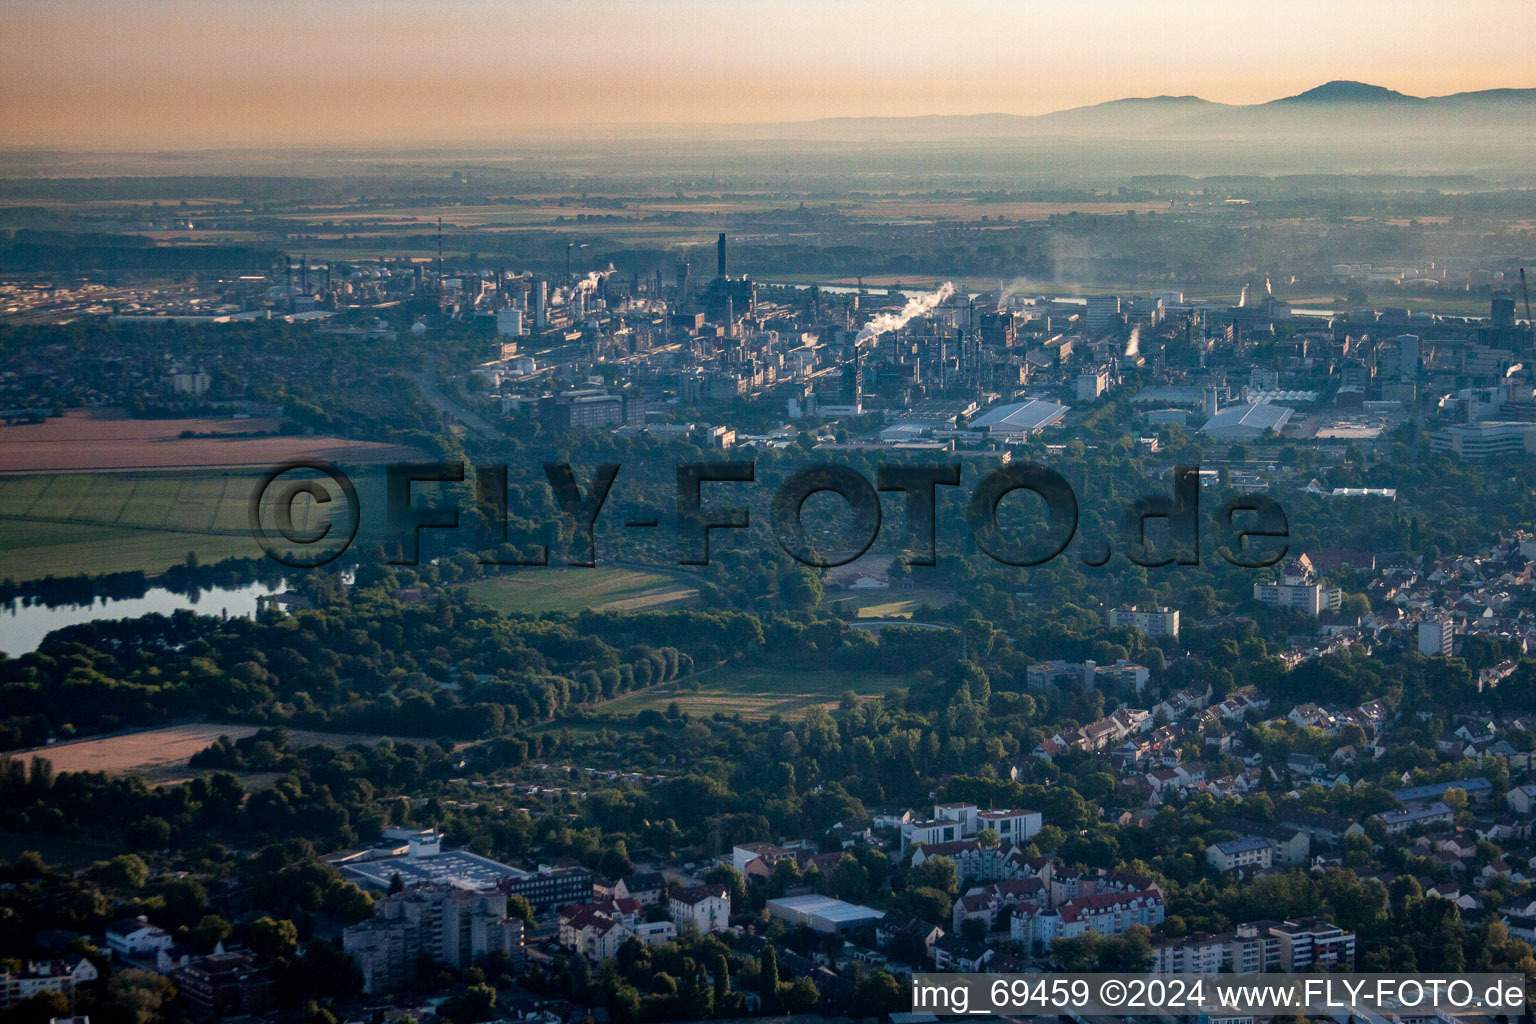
22,627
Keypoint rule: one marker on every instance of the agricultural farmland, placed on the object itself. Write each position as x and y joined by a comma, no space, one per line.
539,590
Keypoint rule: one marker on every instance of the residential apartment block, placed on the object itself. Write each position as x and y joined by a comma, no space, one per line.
440,923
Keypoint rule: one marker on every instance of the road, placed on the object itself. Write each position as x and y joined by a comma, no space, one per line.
427,383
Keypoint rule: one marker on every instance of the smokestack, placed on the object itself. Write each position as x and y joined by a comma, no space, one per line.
568,258
304,273
720,256
538,298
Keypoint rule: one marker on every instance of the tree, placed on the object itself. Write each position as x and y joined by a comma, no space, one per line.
37,1009
801,996
518,907
722,980
125,872
786,875
209,932
140,996
768,979
276,940
184,900
475,1004
324,970
929,904
733,880
878,993
801,589
936,873
396,884
849,879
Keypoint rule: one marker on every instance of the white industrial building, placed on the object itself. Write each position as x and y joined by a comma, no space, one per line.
822,913
1017,420
1246,422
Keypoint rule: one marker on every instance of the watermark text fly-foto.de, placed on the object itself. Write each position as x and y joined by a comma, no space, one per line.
1253,529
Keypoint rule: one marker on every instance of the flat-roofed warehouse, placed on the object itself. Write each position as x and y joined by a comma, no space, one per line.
1020,419
822,913
427,862
1246,422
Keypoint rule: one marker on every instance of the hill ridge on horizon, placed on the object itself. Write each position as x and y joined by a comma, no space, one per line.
1336,91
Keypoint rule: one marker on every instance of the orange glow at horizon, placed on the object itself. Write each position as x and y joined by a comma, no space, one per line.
168,73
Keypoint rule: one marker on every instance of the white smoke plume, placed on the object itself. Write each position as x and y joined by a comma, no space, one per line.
1133,347
917,306
586,285
593,279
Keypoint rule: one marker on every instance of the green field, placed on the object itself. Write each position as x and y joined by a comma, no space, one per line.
70,523
539,590
886,604
755,692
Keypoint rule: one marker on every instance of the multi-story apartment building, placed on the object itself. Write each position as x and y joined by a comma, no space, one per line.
435,922
1312,942
1088,674
1193,954
706,907
1484,440
34,977
1107,913
1312,598
955,822
1150,622
1249,852
1012,826
1428,816
597,930
1253,948
963,813
224,984
929,832
549,888
1436,636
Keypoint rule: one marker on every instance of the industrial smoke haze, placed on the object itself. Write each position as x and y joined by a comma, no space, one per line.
593,279
585,286
916,306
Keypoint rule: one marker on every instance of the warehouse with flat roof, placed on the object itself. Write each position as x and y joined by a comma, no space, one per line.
427,862
1247,422
1020,419
822,913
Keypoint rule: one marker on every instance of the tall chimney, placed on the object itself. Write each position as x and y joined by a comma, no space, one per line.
720,256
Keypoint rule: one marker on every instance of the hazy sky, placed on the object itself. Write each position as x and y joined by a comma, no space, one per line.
142,73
